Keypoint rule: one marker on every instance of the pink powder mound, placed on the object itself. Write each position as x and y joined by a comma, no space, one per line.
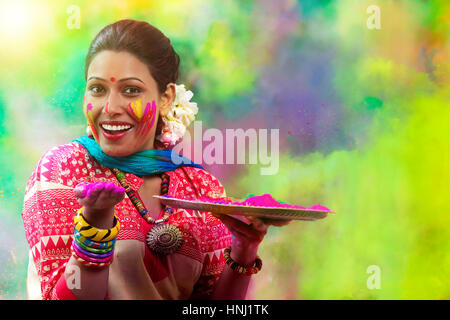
319,207
265,200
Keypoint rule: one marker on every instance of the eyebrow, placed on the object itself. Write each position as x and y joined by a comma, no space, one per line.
121,80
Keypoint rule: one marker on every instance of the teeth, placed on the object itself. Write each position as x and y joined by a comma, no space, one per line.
113,128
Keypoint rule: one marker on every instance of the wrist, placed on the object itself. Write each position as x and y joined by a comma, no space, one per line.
244,255
99,218
240,266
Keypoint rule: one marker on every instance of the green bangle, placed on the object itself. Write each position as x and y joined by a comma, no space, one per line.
93,250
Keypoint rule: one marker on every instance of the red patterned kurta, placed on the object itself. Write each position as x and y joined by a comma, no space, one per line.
136,273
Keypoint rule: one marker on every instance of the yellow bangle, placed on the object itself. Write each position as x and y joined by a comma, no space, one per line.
93,233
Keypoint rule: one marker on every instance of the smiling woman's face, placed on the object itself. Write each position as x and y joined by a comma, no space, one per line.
120,94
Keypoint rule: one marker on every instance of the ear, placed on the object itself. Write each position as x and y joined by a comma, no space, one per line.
167,99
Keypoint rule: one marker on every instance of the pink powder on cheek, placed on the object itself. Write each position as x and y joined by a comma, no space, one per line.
87,110
148,119
89,114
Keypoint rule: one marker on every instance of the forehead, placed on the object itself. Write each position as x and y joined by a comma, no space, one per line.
107,64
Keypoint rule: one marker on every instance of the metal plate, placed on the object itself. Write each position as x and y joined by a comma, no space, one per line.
265,212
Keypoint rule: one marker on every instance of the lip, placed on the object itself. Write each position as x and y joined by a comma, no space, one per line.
114,136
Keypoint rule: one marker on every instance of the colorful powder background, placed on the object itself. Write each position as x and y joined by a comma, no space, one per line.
363,114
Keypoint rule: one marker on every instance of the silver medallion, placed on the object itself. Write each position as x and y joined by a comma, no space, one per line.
164,239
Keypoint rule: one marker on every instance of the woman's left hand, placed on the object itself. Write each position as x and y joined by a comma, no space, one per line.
247,232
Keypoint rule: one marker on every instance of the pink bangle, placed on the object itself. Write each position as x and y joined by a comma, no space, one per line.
89,259
91,264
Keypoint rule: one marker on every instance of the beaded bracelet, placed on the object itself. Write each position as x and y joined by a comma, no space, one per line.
235,266
93,233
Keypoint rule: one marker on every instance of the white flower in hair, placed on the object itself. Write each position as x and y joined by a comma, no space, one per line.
182,109
179,117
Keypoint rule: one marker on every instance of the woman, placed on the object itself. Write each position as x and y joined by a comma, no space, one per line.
93,227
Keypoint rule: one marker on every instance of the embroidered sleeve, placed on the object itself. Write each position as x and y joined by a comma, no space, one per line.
216,238
48,209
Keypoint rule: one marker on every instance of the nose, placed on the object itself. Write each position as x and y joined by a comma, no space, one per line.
114,104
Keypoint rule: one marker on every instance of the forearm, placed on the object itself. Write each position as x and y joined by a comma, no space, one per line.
233,285
93,282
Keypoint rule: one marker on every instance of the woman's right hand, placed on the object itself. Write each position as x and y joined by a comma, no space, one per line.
99,200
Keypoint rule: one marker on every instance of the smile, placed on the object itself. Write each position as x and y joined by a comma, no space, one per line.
115,132
114,128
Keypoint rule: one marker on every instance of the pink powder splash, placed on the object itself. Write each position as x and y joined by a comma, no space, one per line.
265,200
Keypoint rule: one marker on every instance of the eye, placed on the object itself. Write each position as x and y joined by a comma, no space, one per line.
132,90
96,89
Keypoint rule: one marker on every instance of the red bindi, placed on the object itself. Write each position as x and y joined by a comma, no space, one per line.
112,79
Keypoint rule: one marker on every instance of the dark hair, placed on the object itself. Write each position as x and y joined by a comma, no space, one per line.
144,41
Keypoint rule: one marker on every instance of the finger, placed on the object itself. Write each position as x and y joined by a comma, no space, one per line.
79,193
82,185
104,194
93,192
235,225
111,193
118,193
109,186
241,218
268,220
259,224
107,192
118,190
237,232
234,231
82,195
81,189
277,222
